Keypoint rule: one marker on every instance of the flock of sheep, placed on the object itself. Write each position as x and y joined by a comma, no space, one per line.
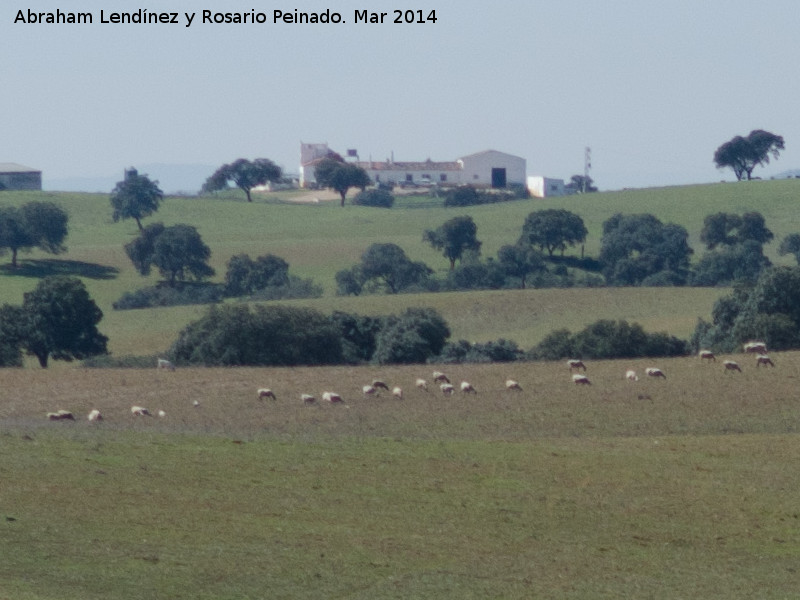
757,348
445,385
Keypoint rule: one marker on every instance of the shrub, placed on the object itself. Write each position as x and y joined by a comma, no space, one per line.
488,275
185,293
740,262
769,311
127,361
293,289
246,276
467,195
607,339
415,336
358,335
276,335
463,351
377,197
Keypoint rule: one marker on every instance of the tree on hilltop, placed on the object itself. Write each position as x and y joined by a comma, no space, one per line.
244,174
135,197
743,154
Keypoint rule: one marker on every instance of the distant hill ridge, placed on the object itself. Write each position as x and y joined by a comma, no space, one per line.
172,179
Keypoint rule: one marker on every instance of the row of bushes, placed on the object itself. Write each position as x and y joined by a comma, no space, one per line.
238,334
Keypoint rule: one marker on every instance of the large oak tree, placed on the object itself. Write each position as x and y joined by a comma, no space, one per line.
743,154
244,174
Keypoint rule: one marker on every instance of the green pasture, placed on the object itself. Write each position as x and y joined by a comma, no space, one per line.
318,239
678,488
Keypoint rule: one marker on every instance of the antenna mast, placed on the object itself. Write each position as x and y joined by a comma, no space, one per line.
587,164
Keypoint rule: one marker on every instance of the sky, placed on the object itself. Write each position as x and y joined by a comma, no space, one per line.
653,88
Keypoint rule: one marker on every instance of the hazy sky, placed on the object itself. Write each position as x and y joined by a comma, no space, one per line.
652,87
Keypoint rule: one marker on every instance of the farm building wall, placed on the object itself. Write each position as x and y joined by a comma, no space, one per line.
493,169
17,177
545,187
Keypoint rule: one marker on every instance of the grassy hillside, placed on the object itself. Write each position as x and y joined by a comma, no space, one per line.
320,239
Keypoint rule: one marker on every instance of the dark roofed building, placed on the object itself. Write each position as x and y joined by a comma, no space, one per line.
18,177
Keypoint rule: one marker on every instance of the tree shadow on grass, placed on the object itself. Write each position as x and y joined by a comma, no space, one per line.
53,266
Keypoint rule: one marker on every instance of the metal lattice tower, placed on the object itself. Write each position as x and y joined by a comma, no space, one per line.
587,165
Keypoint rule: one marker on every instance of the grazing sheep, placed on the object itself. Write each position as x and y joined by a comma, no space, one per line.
707,355
759,347
731,365
513,385
377,383
467,388
575,363
631,375
265,393
397,393
61,415
307,398
422,384
196,403
447,389
140,411
580,379
161,414
163,363
95,415
654,372
439,377
332,397
368,390
763,359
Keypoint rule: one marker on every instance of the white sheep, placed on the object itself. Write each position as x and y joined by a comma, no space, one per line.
332,397
513,385
163,363
731,365
763,359
707,355
655,372
397,393
368,390
757,347
422,384
161,414
447,389
377,383
265,393
94,415
580,379
575,363
61,415
439,377
307,398
467,388
631,375
140,411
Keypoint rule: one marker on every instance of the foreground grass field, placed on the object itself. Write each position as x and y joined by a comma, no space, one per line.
663,489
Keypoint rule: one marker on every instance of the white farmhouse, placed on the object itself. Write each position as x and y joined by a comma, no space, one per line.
489,168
